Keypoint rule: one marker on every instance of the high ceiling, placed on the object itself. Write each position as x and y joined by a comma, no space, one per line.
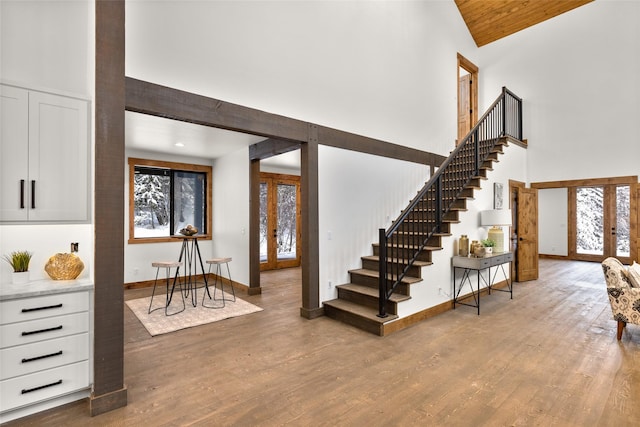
490,20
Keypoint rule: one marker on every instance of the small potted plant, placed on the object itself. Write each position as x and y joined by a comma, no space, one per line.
488,244
19,261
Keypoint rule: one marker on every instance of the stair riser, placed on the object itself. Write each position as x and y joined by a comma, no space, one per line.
369,264
372,282
413,226
403,239
366,300
353,320
424,255
421,216
460,204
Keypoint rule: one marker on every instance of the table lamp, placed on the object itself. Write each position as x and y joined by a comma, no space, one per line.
496,219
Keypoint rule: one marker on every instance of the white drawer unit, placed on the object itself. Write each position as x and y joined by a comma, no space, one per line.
19,310
27,389
44,349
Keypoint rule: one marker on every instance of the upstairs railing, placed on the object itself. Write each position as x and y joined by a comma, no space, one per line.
421,222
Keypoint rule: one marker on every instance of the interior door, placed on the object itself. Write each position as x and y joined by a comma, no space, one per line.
467,96
279,221
464,104
527,231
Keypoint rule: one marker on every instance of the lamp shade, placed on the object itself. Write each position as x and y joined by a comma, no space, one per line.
495,217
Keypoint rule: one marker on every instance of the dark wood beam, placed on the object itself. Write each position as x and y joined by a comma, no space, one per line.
109,391
310,228
271,147
350,141
149,98
254,228
162,101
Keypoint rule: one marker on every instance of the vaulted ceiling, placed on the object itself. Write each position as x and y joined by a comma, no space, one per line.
490,20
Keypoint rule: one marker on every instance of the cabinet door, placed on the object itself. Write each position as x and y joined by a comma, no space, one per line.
14,140
58,158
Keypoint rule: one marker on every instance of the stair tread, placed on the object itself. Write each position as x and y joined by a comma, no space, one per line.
367,290
360,310
395,260
372,273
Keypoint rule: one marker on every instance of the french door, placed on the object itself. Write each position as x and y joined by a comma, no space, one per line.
279,221
601,225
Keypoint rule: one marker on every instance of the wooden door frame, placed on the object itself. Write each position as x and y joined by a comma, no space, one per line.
513,247
473,70
571,186
276,178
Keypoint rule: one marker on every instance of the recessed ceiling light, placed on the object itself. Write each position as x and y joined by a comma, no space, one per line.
179,144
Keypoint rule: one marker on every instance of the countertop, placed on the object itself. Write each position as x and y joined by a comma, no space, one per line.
9,291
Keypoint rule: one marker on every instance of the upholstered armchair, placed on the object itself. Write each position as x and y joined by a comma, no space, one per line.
624,298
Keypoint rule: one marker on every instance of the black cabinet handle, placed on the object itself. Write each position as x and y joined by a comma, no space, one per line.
33,359
39,331
22,194
46,307
33,194
29,390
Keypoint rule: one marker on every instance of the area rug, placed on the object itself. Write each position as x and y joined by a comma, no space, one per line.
157,323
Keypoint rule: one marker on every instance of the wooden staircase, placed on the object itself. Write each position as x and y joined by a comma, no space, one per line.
357,302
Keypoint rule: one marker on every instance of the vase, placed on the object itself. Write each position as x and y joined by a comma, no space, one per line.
64,266
20,277
463,246
488,250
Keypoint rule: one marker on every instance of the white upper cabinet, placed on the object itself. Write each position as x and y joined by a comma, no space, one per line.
44,154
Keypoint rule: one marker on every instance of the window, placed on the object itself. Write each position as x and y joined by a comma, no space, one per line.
165,196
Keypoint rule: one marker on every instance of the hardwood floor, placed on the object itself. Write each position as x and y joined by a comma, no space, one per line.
549,357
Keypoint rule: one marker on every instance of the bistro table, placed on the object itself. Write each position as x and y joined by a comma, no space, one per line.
189,251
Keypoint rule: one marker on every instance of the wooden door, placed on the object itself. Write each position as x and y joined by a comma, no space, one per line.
280,233
464,106
527,231
467,96
601,223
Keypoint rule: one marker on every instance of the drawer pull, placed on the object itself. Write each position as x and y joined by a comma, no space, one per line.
42,330
33,359
29,390
46,307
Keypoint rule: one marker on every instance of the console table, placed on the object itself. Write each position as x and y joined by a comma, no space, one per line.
470,264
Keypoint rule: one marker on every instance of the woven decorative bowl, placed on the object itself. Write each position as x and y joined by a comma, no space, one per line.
64,266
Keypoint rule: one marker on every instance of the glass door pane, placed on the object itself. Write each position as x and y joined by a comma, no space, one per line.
590,220
287,231
622,231
263,222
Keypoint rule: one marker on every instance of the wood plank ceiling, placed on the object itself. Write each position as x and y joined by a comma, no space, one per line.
490,20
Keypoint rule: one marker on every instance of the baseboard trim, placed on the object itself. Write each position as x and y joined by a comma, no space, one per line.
108,401
210,278
311,313
412,319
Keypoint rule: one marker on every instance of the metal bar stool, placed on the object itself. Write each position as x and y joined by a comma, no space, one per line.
218,272
167,265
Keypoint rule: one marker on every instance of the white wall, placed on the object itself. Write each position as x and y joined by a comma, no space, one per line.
577,75
553,234
35,53
385,69
48,44
358,194
231,212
